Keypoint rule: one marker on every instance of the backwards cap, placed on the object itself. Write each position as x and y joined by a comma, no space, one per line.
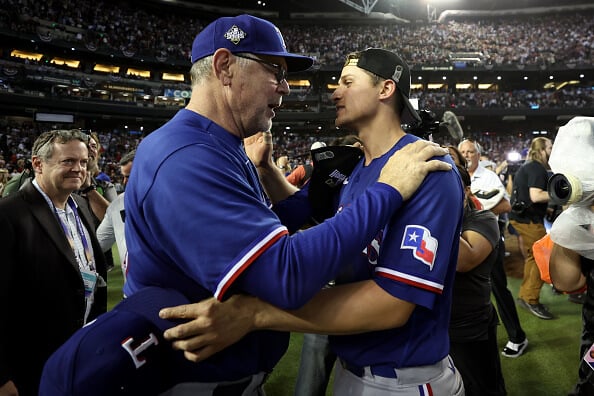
246,33
122,352
389,66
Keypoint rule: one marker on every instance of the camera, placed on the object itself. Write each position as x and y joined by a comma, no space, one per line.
512,167
564,189
519,207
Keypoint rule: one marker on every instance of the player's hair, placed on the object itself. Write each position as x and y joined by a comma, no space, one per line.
43,147
201,69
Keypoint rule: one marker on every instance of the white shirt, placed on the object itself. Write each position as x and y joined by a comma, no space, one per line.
111,230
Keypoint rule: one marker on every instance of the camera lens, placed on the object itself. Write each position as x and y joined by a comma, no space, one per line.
560,188
564,189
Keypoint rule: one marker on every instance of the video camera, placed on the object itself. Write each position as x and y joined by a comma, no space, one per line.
512,167
430,125
571,161
565,189
572,185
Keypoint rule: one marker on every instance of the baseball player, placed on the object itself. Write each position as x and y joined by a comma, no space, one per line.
198,219
389,324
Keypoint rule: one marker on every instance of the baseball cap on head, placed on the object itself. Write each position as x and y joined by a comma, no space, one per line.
246,33
121,353
389,66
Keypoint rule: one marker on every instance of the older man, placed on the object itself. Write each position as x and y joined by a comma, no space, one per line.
52,270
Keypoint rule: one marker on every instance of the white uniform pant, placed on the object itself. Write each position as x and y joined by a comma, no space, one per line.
439,379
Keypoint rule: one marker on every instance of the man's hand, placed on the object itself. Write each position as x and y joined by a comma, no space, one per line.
9,389
407,168
258,148
213,325
87,181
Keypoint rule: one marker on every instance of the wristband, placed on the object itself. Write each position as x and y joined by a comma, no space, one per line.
89,188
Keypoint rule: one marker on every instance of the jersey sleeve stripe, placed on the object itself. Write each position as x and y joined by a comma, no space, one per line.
410,280
248,259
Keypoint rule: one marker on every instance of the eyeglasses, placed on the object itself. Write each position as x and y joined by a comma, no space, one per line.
280,73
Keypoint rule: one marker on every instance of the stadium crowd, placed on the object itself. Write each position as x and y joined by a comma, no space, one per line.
145,32
17,137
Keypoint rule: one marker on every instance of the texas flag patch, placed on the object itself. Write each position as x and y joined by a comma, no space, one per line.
419,240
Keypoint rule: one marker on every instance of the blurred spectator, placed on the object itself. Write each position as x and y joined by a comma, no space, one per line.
111,229
4,177
529,205
301,174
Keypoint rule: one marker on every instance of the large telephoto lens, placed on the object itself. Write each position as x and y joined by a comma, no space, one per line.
564,189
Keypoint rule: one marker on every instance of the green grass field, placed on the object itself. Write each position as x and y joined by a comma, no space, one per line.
548,367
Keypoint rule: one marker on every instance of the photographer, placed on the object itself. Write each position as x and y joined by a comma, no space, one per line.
529,206
572,258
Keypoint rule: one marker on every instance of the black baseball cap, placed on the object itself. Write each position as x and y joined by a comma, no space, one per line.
390,66
331,167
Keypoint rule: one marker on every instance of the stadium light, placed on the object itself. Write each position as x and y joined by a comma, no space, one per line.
514,156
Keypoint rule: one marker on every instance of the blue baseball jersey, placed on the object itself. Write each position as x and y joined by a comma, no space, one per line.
413,257
197,220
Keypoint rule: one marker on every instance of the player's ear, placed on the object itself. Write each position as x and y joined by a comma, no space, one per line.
388,89
222,61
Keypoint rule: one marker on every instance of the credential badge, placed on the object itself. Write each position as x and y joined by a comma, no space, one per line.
235,34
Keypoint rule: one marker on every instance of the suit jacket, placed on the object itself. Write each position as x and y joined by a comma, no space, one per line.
41,289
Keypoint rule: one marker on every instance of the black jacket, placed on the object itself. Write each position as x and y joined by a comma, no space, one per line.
41,290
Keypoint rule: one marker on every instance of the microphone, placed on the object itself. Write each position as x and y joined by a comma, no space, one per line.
449,120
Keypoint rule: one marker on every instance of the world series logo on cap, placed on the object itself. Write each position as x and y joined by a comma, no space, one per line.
235,34
397,73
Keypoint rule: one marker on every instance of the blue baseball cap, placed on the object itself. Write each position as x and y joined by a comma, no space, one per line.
246,33
122,352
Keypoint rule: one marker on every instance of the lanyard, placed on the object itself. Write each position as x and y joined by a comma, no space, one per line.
81,233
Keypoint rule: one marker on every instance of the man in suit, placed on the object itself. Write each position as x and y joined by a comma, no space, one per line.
52,273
